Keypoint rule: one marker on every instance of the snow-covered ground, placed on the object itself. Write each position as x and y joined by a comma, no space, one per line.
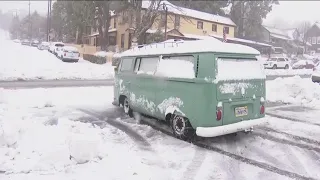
43,136
20,62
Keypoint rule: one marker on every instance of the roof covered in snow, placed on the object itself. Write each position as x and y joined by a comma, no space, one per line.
180,47
193,13
286,34
241,40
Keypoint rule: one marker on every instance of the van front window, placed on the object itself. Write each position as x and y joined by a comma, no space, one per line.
239,69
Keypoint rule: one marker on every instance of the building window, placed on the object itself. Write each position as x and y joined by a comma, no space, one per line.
199,25
318,40
115,22
226,30
112,40
176,20
309,40
88,30
214,27
122,40
314,40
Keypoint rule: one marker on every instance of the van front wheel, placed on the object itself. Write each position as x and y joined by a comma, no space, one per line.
182,128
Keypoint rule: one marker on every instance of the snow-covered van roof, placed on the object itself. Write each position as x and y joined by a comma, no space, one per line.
192,13
181,47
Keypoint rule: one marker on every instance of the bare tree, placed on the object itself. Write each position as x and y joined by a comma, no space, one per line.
103,17
142,19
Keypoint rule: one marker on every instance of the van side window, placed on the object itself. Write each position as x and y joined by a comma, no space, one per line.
126,64
148,65
177,67
137,64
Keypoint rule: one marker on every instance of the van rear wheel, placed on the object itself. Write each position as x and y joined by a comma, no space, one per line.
182,128
126,107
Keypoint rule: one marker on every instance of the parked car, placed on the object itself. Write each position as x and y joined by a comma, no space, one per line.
56,46
68,54
315,77
35,43
277,63
43,46
17,41
25,42
303,64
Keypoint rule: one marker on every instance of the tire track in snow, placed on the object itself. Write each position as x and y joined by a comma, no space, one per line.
194,166
262,165
101,121
295,137
284,141
294,161
291,119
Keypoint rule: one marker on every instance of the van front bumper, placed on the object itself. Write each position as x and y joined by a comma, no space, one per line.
230,128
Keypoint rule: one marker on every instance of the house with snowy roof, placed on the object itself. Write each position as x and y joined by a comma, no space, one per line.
313,37
287,40
182,23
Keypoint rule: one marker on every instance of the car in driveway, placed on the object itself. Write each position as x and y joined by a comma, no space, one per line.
55,47
68,54
303,64
35,43
277,63
25,42
315,77
44,46
17,41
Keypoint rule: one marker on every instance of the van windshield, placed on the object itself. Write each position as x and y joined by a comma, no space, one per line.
239,69
59,45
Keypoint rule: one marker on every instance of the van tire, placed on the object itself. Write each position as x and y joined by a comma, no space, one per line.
182,128
126,107
274,67
286,67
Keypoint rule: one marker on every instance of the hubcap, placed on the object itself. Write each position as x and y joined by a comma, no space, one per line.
179,125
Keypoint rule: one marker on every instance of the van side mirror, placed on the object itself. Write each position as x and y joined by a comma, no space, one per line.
116,69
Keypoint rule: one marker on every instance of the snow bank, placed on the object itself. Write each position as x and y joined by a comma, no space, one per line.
19,62
29,145
287,72
294,90
239,70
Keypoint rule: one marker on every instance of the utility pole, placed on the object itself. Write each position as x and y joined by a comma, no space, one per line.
50,1
48,21
30,30
166,20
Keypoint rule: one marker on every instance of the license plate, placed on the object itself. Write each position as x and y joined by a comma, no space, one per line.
241,111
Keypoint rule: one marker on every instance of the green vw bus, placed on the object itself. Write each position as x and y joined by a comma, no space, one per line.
204,87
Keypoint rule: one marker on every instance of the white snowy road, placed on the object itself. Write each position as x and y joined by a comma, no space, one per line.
74,133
